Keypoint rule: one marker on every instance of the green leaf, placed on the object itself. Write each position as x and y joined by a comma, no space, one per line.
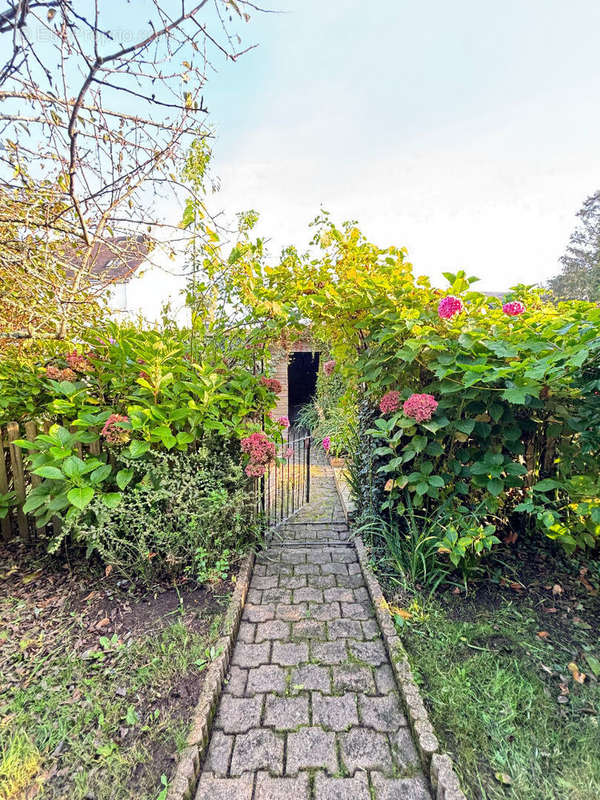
495,486
466,426
517,395
112,499
547,485
436,480
25,444
34,501
418,443
593,664
73,467
137,448
101,473
124,476
59,502
81,497
53,473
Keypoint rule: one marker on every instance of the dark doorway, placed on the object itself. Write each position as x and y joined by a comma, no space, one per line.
302,381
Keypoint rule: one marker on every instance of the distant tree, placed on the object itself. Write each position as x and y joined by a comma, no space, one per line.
99,103
580,277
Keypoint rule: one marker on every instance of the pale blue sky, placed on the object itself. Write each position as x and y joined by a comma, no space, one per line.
467,131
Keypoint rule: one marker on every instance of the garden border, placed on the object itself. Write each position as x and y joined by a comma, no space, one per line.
443,778
189,761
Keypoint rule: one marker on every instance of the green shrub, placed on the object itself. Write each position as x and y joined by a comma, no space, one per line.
332,413
502,397
189,513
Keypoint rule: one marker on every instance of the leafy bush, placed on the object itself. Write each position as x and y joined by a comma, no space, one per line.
468,401
332,413
188,512
123,395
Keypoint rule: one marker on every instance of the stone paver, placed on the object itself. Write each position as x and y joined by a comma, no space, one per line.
310,709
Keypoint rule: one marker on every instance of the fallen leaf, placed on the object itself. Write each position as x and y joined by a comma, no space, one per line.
511,538
108,570
593,664
401,612
103,623
517,587
550,610
503,778
557,589
582,623
588,586
577,675
33,576
543,634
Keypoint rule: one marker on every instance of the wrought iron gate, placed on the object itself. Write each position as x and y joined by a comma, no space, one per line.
285,486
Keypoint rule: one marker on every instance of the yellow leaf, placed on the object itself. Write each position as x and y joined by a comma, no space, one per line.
579,677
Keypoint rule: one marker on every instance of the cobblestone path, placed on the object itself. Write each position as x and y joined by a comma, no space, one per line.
311,710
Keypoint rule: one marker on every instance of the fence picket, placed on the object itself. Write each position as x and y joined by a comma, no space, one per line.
18,471
5,525
31,432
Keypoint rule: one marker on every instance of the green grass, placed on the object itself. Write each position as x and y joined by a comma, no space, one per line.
103,723
486,678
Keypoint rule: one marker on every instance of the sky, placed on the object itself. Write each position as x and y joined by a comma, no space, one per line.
465,131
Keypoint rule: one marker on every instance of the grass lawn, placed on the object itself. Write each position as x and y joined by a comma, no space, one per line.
97,681
502,673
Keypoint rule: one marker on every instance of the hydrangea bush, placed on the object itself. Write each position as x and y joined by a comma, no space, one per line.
124,394
471,402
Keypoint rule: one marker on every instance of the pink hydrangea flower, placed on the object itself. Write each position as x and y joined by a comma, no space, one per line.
328,367
113,432
449,306
420,406
389,402
513,309
327,443
284,422
259,448
79,363
272,384
56,374
255,470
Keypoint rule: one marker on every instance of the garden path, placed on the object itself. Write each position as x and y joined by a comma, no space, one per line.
311,710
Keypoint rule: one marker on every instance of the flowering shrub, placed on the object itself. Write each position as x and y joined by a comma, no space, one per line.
389,402
449,306
272,384
420,407
514,429
326,444
79,363
113,431
328,367
135,393
262,452
514,309
283,421
56,374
